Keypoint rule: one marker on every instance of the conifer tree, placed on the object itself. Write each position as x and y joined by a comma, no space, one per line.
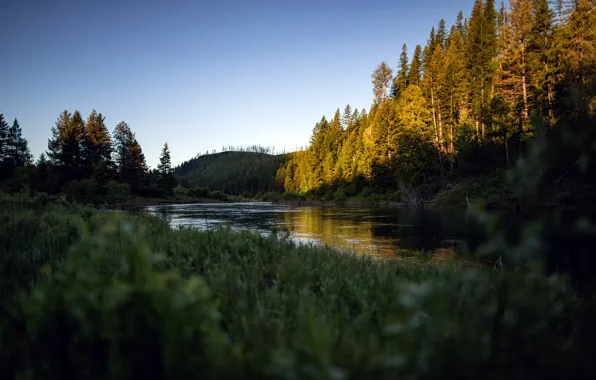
455,86
98,142
459,24
65,146
3,137
481,49
18,153
380,79
441,37
346,119
130,160
165,175
400,82
415,67
578,43
516,68
541,56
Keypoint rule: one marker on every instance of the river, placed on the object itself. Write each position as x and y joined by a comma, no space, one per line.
376,231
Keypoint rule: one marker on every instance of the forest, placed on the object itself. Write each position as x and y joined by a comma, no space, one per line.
87,163
465,106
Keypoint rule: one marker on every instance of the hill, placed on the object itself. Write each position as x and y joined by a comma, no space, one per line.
237,173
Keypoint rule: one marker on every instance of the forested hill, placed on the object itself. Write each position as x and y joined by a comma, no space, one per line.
466,105
248,173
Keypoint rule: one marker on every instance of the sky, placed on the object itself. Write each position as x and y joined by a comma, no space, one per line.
201,75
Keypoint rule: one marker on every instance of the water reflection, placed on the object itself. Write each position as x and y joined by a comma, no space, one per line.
364,230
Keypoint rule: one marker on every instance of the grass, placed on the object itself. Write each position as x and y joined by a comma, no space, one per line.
91,294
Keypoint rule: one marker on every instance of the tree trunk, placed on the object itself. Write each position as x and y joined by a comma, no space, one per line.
506,148
524,87
432,100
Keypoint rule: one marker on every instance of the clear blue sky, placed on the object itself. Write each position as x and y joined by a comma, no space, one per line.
204,74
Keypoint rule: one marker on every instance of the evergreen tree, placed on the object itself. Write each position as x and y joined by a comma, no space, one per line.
541,56
346,119
18,153
516,68
578,43
459,24
380,79
165,177
415,67
130,160
98,142
400,82
3,138
441,37
65,147
455,86
481,49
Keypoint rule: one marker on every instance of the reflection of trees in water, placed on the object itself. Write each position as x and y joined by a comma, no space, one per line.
385,232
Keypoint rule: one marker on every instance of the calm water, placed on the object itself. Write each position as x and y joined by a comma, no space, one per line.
379,231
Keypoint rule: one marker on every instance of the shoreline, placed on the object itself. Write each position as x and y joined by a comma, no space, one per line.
347,203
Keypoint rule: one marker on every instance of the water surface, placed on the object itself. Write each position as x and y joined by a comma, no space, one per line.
378,231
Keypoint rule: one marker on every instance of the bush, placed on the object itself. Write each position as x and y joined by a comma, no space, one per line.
116,192
84,190
109,313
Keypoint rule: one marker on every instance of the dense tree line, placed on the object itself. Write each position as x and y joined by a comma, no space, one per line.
249,172
14,150
463,105
83,160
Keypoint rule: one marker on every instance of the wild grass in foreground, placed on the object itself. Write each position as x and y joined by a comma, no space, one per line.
98,295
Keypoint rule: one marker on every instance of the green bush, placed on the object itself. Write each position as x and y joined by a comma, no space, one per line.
116,192
109,313
121,295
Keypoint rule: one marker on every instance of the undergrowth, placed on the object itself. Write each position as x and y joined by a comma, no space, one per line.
96,295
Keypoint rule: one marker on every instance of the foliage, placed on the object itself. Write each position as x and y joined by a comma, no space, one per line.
234,172
123,295
464,106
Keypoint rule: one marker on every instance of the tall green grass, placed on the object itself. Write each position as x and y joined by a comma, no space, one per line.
98,295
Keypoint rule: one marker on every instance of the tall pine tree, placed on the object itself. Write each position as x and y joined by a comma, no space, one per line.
400,82
415,67
130,160
165,179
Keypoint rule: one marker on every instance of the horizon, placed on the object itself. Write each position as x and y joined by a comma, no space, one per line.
201,77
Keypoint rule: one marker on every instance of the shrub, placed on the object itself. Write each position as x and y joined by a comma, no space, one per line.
109,313
116,192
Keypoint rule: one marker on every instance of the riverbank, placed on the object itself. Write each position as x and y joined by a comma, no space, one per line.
141,298
347,203
144,202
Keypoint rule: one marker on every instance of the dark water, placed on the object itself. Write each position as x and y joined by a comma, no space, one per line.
379,231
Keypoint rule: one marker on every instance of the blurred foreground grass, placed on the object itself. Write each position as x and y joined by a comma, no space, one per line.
95,295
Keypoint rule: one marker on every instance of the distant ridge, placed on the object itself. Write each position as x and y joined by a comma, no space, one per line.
234,172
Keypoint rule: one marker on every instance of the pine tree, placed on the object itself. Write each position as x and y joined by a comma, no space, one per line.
441,37
380,79
65,147
18,153
541,56
578,43
130,160
400,82
98,142
415,67
459,24
346,119
455,86
165,176
3,137
481,49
